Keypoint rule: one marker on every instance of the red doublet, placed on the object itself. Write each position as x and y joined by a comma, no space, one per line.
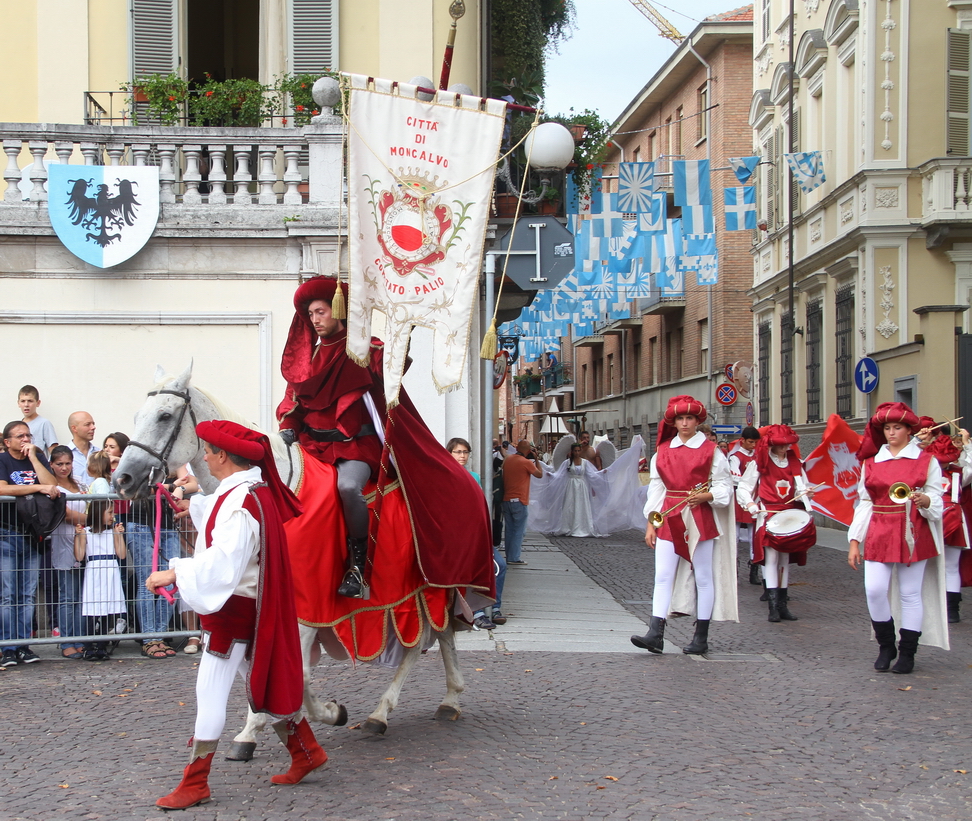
744,457
328,396
682,469
776,486
885,538
275,683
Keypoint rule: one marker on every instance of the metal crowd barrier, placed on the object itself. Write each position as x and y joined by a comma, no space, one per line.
47,610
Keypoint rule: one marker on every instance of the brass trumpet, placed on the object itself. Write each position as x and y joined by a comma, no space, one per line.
900,492
658,519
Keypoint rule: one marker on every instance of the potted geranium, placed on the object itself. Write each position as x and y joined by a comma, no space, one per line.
158,97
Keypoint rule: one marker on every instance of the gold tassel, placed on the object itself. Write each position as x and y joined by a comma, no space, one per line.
338,308
488,351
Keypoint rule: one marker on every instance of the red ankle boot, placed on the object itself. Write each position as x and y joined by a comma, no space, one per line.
194,787
305,753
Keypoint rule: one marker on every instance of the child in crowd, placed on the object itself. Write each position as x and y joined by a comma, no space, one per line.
99,467
101,544
40,428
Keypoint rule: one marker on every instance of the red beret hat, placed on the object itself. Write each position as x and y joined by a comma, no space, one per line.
232,438
317,288
886,413
684,405
778,435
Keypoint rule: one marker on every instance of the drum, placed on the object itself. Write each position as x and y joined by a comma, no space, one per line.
791,531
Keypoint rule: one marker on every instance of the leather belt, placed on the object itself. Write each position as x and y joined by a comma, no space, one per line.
319,435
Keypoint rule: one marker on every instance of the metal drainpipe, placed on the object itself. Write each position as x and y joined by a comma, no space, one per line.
486,369
708,156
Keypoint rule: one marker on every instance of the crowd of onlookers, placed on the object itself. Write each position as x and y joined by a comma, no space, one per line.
90,573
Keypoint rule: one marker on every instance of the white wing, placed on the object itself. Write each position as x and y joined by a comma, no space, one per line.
562,451
607,452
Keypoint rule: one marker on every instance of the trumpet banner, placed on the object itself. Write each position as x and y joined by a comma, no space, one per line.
420,180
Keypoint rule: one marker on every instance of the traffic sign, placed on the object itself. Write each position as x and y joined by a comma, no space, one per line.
726,393
541,253
501,365
729,372
727,428
866,374
750,414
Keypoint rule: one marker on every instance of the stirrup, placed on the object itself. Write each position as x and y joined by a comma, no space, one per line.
353,585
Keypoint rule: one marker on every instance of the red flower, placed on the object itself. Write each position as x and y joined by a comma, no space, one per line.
284,121
300,108
315,112
209,94
590,166
172,98
303,85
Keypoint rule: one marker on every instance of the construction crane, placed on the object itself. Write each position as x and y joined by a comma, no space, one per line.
665,29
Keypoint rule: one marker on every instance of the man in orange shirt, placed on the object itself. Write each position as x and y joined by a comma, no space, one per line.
517,470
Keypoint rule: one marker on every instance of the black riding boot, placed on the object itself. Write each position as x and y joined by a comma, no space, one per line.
906,651
773,597
753,573
765,596
781,601
884,633
700,641
654,639
952,603
353,585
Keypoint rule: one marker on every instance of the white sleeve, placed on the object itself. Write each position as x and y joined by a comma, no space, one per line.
656,489
208,579
862,513
965,462
933,489
746,488
720,480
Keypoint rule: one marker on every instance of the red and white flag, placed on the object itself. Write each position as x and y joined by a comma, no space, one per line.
420,180
833,464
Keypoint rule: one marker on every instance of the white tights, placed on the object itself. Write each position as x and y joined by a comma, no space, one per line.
213,683
772,567
953,580
877,584
666,563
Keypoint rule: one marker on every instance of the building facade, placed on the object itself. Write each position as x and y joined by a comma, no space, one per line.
879,254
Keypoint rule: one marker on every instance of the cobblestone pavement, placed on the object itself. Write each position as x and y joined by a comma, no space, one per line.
785,721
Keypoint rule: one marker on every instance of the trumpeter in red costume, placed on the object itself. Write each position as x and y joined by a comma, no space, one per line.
771,484
896,533
694,544
743,452
954,455
239,582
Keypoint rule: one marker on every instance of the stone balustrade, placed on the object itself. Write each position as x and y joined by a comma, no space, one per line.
946,190
236,167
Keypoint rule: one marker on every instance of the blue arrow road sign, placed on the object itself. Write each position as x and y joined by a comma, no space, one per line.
866,374
726,429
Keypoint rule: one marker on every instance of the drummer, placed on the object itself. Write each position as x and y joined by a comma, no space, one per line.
742,453
691,488
775,481
898,524
955,460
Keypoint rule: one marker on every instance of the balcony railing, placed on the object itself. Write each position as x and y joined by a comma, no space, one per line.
236,167
946,190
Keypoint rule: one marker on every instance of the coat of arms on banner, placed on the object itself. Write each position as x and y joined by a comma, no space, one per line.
103,214
420,179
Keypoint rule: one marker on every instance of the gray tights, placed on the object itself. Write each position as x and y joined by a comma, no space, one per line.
351,478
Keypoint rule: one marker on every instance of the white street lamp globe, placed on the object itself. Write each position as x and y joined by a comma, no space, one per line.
549,146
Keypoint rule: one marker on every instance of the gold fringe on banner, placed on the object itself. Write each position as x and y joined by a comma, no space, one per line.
488,350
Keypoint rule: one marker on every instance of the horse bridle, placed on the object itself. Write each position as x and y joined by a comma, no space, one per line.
163,456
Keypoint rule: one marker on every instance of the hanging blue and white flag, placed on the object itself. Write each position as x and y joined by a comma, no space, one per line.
697,219
597,190
652,221
695,249
666,250
610,221
636,184
103,214
743,167
635,283
708,272
691,182
740,202
807,168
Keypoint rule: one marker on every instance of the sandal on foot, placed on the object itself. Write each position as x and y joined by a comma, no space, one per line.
72,652
169,652
154,650
192,646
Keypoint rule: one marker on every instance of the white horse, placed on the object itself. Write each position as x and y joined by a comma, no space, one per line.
165,439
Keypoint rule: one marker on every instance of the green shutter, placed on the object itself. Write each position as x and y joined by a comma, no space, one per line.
957,92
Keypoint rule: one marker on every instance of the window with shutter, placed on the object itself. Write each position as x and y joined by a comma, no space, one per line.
794,147
154,37
313,35
957,92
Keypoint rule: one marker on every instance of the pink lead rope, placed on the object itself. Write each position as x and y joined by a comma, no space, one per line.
160,491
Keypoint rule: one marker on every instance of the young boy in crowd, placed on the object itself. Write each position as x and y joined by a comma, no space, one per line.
40,428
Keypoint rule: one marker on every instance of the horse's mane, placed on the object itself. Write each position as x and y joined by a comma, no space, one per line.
223,411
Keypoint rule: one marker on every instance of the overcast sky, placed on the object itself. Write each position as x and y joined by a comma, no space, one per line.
615,51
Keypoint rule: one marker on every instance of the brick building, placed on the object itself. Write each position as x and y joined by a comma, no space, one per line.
695,107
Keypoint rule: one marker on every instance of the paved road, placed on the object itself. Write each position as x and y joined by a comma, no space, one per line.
561,719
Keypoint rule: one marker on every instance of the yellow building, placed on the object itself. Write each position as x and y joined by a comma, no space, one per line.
881,262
